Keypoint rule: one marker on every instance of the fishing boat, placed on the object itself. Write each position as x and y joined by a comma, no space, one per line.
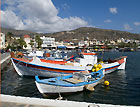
113,65
49,55
75,82
36,53
53,68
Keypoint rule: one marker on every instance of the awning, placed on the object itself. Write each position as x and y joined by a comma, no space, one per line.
62,47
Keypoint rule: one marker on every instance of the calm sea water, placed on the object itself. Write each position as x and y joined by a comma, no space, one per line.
124,86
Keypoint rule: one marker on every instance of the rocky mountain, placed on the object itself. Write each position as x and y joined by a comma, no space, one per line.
80,34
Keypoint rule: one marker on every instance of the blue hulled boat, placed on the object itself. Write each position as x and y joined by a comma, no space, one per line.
75,82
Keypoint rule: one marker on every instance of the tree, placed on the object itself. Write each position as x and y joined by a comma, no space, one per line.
18,44
135,46
21,43
38,41
31,43
9,34
121,45
9,39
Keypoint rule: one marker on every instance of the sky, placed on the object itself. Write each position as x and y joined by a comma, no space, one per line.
48,16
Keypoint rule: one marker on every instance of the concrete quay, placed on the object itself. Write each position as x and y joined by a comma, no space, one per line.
18,101
4,57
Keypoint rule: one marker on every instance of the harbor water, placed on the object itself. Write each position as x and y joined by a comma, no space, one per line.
124,88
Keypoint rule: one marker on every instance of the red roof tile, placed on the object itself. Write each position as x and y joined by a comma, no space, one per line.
26,36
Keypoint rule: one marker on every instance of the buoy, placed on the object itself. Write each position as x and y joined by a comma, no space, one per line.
101,62
106,83
96,49
95,65
93,70
97,69
99,66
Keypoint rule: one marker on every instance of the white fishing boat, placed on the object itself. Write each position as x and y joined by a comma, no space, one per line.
53,68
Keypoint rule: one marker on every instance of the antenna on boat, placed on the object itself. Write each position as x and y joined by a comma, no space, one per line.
102,54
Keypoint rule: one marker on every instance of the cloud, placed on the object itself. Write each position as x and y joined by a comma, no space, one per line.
113,10
10,20
65,6
38,16
8,2
127,27
108,21
137,23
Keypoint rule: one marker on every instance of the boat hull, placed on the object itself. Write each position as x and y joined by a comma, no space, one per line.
55,70
28,69
52,89
119,65
111,68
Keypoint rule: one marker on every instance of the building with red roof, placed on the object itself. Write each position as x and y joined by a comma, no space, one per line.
26,36
27,39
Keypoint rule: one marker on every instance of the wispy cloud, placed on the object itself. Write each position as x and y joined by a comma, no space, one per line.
113,10
42,17
108,21
127,27
137,23
65,6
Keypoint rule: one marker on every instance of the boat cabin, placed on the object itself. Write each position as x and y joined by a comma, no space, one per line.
87,59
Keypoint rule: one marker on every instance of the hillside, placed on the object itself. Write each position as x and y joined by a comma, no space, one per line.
100,34
16,32
80,33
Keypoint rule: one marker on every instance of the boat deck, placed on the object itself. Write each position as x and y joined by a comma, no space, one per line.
64,82
73,80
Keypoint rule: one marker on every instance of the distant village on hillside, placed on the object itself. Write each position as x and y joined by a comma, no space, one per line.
31,41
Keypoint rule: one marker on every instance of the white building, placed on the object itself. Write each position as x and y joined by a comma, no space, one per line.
59,43
16,38
121,40
27,39
93,42
83,43
48,42
2,41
